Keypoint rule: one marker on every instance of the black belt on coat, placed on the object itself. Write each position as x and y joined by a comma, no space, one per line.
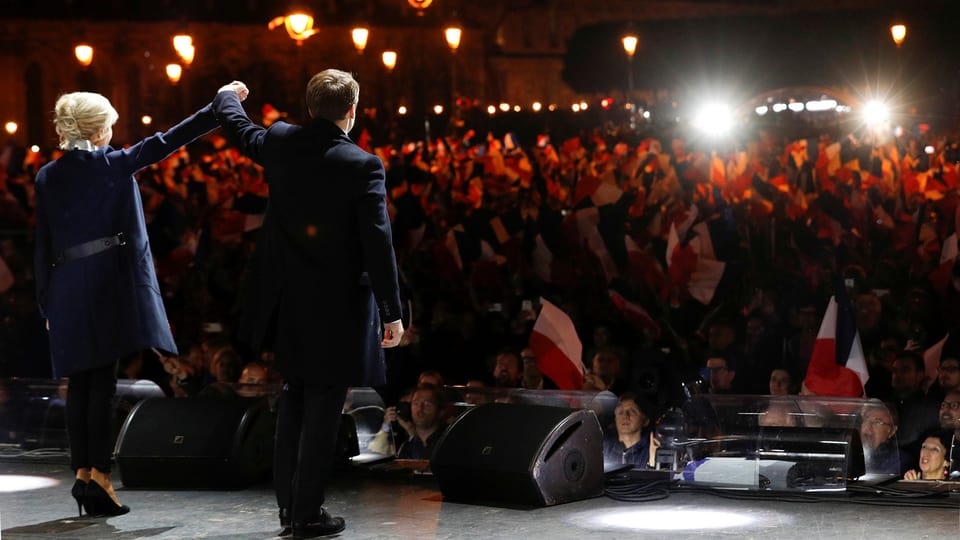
87,249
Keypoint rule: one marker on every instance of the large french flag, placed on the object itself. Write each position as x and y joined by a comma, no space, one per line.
837,366
557,347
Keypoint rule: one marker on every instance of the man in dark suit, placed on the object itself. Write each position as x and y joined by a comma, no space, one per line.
323,277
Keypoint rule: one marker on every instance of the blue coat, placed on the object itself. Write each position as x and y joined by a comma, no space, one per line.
105,306
324,274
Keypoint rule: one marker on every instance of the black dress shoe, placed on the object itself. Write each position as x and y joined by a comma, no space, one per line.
322,525
286,528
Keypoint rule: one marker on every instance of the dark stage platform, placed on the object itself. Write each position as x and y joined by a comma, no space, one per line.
35,504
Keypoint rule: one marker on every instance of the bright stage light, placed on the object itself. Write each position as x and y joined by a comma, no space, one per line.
669,519
875,113
761,110
16,482
714,119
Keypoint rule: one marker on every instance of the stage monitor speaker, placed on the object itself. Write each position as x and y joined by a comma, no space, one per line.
196,443
520,455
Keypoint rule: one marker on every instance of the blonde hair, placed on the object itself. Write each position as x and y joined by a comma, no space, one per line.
79,116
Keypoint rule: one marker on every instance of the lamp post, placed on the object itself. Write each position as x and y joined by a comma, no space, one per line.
390,62
299,26
453,33
630,47
898,31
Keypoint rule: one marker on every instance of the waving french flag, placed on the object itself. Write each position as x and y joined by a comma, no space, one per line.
557,347
837,366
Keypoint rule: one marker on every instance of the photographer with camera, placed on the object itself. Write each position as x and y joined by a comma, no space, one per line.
427,419
397,427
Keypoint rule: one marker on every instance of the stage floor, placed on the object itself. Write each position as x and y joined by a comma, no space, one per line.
400,507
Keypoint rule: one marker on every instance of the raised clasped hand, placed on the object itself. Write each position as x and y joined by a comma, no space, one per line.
238,87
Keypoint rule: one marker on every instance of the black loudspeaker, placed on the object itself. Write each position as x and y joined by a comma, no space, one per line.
196,443
520,455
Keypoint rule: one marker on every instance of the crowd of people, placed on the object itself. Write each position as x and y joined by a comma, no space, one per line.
677,261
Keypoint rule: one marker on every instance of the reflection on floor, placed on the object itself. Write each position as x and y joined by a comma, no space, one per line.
398,505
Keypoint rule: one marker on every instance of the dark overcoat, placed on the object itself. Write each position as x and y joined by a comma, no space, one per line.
324,274
107,305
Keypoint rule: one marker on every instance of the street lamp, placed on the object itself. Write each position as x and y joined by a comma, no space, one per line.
174,72
360,35
183,44
420,5
389,59
298,24
899,33
84,54
453,34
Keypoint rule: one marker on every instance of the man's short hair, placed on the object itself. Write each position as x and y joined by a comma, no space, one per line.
331,93
436,393
728,357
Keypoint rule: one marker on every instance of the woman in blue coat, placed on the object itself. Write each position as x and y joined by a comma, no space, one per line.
96,284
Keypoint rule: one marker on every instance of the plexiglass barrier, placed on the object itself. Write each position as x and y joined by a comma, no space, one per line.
786,443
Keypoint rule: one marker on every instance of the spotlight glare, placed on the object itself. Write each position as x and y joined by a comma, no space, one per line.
761,110
491,109
34,149
401,110
537,106
796,106
672,519
779,107
714,119
10,483
875,113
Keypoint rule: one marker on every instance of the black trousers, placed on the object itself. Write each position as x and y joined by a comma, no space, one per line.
308,419
90,417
